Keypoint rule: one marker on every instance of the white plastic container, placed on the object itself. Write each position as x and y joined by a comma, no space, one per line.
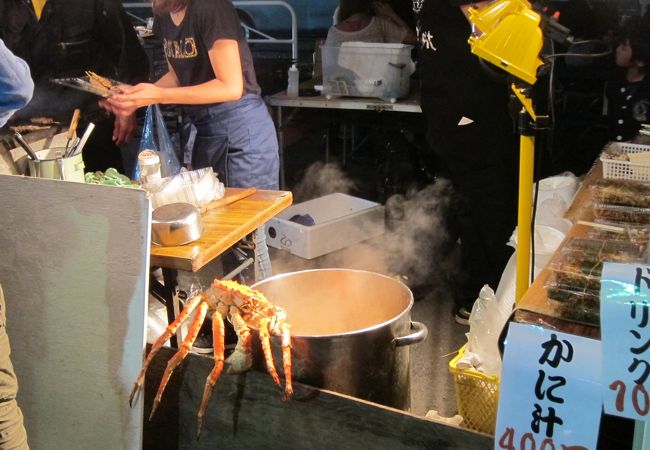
149,166
293,79
563,186
198,187
366,69
339,219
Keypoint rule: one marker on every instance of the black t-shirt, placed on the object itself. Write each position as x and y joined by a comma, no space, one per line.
454,84
186,46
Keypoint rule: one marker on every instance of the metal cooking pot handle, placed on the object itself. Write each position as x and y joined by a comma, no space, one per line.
418,335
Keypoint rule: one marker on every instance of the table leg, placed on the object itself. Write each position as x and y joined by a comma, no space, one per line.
280,134
167,294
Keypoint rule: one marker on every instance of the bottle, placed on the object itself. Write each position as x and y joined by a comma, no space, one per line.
149,166
293,80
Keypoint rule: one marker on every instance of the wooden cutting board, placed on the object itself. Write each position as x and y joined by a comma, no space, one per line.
228,198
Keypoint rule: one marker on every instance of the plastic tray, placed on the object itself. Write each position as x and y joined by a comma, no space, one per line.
578,306
618,213
628,232
622,192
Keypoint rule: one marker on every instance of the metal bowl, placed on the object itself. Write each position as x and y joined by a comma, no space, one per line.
176,224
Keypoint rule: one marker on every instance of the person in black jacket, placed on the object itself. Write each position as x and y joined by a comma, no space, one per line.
473,143
629,94
64,39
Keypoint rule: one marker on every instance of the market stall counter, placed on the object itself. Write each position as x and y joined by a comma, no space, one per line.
609,225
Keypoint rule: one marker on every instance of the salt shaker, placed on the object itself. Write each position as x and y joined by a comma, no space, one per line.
149,166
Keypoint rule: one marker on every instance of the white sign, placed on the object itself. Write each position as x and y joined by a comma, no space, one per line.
550,393
625,334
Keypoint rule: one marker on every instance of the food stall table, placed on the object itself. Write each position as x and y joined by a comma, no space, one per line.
224,227
409,104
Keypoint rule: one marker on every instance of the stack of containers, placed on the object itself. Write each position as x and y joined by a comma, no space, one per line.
621,210
573,285
198,187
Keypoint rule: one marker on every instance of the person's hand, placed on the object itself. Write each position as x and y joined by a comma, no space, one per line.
123,129
131,98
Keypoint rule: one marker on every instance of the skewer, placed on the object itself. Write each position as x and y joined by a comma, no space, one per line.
602,226
72,130
23,143
79,147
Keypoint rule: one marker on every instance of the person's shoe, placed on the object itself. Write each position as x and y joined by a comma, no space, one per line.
462,315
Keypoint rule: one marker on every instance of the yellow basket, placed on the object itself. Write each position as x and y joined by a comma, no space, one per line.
477,396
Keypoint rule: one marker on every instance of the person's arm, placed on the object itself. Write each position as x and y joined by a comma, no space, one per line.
130,62
227,85
16,85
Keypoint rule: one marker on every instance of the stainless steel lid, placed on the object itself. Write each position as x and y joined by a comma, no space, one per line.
176,224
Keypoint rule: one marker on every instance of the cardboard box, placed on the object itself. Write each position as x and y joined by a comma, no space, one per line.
366,69
339,220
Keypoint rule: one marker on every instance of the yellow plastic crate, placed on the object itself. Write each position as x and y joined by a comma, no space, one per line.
477,396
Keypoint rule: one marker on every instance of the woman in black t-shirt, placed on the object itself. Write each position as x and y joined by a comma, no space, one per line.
211,75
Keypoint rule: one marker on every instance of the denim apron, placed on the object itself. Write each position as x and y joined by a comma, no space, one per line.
238,140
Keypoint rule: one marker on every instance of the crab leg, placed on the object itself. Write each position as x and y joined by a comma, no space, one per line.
169,332
241,359
286,360
218,331
265,339
182,352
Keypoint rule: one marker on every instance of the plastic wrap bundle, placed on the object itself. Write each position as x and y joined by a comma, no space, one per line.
485,324
198,187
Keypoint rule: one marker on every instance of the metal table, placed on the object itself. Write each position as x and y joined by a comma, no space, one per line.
409,104
224,227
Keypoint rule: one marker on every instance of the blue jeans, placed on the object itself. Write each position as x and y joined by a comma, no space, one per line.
238,140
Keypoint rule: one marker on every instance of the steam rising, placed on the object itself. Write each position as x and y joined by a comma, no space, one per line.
321,179
413,246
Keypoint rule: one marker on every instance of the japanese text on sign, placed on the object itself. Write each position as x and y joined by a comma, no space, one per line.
550,393
625,333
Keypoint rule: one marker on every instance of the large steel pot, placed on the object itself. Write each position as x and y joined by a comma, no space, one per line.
351,331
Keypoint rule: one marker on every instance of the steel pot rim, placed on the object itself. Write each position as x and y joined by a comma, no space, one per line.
406,311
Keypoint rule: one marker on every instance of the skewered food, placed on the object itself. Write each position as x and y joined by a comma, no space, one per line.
618,213
573,285
99,80
622,192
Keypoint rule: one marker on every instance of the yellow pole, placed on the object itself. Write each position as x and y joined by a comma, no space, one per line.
525,214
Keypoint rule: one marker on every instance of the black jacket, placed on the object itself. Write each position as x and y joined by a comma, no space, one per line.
71,37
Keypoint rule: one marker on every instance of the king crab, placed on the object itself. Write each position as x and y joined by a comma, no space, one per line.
245,308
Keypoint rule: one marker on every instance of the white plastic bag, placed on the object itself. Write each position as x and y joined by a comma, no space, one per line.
156,137
485,324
